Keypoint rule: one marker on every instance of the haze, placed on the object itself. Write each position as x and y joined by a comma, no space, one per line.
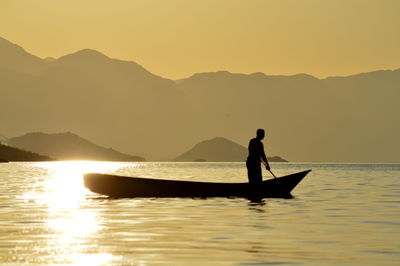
190,71
178,38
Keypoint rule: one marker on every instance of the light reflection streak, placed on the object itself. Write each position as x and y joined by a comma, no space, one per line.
73,224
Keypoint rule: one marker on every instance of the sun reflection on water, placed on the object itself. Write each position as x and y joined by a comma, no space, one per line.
72,223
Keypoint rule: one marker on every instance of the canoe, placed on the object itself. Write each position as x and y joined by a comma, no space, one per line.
131,187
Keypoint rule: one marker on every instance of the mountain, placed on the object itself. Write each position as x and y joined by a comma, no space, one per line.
218,150
16,59
92,66
346,119
68,146
113,102
120,104
12,154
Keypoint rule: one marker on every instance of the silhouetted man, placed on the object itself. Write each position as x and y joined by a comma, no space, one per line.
256,156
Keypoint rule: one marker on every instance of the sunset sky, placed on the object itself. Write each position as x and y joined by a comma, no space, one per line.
177,38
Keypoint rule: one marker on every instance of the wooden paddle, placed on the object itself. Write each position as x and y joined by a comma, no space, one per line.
269,169
272,173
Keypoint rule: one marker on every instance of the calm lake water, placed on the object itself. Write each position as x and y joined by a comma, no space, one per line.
340,214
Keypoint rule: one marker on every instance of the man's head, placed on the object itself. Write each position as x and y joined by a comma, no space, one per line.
260,133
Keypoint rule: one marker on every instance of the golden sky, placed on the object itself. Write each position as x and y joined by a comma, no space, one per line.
176,38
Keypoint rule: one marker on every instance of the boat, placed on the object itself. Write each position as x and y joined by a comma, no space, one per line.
116,186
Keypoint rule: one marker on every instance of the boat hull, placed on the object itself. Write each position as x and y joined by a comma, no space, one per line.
131,187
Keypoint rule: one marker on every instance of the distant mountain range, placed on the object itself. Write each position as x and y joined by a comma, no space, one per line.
120,104
68,146
218,150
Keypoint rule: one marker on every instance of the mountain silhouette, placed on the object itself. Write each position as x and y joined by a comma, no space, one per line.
218,150
116,103
303,115
15,58
120,104
68,146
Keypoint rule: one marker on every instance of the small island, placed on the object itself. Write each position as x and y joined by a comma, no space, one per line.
68,146
218,150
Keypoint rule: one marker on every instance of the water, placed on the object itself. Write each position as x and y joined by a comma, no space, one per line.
340,214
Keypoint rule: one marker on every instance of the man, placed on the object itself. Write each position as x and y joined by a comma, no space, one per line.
256,156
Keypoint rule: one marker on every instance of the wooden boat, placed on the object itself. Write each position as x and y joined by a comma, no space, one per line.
131,187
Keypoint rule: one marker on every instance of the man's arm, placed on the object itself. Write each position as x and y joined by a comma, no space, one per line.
264,159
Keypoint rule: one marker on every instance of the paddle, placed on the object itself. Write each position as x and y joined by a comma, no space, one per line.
269,169
272,173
